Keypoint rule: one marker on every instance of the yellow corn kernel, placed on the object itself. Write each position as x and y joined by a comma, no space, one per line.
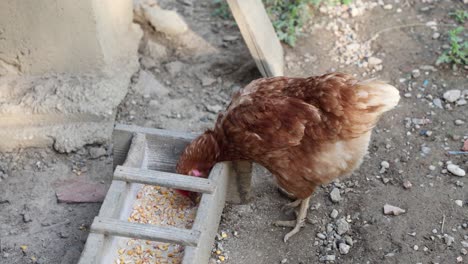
222,258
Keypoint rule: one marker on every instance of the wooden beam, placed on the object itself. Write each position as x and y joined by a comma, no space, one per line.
208,216
165,179
114,227
259,35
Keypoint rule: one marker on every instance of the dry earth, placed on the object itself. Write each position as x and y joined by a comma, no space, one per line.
183,82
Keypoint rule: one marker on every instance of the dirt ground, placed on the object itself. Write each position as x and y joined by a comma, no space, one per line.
196,76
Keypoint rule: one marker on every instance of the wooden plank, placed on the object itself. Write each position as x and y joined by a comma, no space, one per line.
164,146
92,251
208,216
259,35
165,179
114,227
116,196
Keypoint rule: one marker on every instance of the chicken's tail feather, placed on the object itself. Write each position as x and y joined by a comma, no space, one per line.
378,96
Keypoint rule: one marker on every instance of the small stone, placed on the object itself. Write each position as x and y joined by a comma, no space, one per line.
27,217
284,261
229,38
328,258
456,170
374,61
432,167
438,103
415,73
214,108
97,152
448,240
463,251
407,184
342,226
321,236
207,81
436,35
156,51
459,259
165,21
335,195
452,95
344,249
461,102
334,214
464,244
459,122
64,234
348,240
148,85
387,7
407,95
434,231
416,247
459,203
392,210
174,67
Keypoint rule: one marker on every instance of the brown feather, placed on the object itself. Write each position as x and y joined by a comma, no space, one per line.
306,131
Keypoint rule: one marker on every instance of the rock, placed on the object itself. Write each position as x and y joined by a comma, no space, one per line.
415,73
392,210
285,260
328,258
463,251
174,67
448,240
438,103
374,61
229,38
348,240
213,108
335,195
342,226
459,203
81,192
407,184
64,234
464,244
428,68
27,217
334,214
344,249
436,35
148,85
207,81
166,21
3,175
156,51
459,122
461,102
97,152
321,236
425,150
452,95
456,170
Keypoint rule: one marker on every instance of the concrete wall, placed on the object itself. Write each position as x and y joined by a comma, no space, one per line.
38,36
65,65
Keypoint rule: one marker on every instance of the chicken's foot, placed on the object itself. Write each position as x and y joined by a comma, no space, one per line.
291,205
299,222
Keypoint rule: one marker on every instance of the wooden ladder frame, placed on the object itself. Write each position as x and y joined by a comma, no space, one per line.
149,156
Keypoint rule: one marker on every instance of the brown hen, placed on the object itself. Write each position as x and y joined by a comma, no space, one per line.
305,131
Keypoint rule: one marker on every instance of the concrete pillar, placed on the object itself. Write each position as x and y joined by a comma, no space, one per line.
65,65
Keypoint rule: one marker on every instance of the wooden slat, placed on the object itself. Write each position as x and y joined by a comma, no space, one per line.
259,35
165,179
209,215
114,227
92,251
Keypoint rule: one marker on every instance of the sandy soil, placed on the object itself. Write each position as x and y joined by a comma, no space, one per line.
413,139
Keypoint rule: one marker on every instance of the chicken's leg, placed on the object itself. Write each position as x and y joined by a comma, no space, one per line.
299,222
